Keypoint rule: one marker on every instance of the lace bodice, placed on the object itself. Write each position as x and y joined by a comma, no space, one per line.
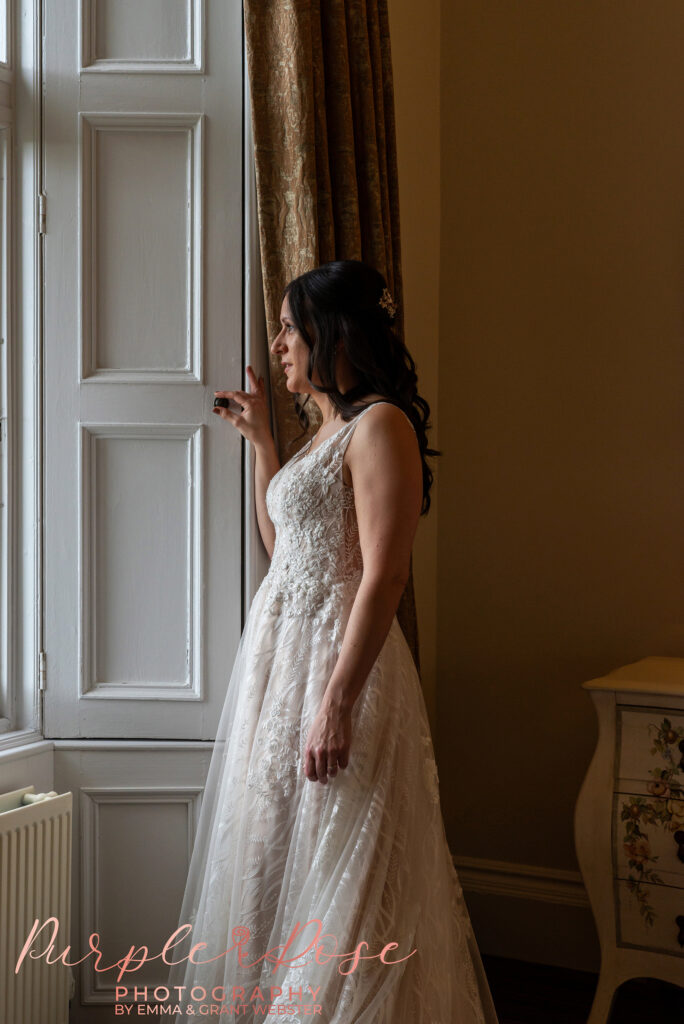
316,558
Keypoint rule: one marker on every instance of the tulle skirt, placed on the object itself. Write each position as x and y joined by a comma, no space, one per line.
296,888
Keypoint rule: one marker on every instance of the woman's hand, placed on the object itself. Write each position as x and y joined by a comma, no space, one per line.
253,422
328,743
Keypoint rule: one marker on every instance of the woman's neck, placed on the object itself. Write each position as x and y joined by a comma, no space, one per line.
327,410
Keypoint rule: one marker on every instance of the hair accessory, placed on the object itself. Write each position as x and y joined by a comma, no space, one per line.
388,303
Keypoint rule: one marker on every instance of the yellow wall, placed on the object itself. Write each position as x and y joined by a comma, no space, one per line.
561,403
556,224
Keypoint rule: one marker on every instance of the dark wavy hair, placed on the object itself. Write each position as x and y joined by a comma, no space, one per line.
341,300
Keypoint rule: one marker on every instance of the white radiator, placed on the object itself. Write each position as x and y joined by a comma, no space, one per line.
35,882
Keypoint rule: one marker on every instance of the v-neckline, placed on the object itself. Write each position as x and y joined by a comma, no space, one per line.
308,450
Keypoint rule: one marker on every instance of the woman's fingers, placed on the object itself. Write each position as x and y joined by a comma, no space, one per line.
257,383
326,752
310,765
238,395
322,765
315,765
241,396
226,414
320,770
337,760
244,397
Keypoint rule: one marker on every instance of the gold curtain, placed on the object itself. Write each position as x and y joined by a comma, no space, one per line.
320,74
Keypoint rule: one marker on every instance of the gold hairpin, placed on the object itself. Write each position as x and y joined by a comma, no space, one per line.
388,303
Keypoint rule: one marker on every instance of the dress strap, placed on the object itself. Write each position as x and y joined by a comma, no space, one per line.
347,433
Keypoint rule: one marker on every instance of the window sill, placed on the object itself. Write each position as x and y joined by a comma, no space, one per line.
20,742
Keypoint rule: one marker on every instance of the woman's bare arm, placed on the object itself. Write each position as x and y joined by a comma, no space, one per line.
266,466
386,469
254,425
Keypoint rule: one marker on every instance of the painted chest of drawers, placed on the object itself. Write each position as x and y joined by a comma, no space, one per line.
629,826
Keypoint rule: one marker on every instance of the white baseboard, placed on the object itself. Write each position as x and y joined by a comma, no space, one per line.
522,881
527,912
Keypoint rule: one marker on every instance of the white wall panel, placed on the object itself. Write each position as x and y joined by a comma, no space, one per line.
141,259
136,807
141,622
142,35
125,832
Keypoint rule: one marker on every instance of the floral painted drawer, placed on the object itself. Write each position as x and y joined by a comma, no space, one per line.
654,922
648,821
651,749
649,839
629,826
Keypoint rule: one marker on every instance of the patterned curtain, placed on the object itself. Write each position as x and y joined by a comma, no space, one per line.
320,74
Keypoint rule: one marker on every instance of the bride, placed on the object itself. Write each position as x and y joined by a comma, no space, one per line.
320,882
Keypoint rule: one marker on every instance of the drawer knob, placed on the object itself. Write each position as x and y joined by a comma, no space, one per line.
679,921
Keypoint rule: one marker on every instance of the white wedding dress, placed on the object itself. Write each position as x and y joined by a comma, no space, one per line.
366,854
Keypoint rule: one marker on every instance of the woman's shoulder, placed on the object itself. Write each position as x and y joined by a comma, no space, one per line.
387,414
384,438
384,425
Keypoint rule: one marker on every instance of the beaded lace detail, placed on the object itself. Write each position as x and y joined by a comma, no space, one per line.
316,558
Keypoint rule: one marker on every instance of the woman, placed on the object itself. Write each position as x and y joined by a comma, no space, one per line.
320,842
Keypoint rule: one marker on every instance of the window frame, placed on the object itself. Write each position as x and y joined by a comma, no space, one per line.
21,374
21,620
6,436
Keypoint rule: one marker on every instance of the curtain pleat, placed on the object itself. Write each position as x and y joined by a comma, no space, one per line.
320,74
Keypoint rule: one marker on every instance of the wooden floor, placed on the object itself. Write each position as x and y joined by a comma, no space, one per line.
534,994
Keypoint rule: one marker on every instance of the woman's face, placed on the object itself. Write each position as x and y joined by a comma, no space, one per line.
293,353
